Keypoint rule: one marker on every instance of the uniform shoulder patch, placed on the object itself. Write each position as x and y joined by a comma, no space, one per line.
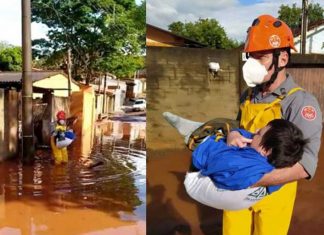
308,113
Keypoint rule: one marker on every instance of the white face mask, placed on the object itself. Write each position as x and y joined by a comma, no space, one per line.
253,72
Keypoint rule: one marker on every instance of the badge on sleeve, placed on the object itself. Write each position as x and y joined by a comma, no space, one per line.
308,113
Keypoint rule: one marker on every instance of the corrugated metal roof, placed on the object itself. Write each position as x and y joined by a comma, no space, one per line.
15,77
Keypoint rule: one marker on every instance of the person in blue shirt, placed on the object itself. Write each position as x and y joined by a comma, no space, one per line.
232,171
279,144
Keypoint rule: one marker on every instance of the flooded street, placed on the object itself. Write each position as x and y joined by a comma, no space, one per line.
104,193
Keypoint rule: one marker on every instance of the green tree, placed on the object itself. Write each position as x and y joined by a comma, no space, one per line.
138,16
292,14
206,31
10,58
178,27
315,13
123,66
95,30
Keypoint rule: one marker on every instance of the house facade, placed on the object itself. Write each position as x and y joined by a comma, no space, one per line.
110,94
315,38
50,94
136,87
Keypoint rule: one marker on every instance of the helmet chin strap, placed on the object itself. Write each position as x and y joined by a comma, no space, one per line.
275,61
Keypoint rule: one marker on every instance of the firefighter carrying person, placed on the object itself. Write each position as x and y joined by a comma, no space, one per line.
231,170
61,138
272,94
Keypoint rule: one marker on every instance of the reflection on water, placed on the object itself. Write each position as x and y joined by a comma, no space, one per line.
100,194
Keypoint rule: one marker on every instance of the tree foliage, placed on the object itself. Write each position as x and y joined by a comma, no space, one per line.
206,31
292,15
95,30
123,66
10,57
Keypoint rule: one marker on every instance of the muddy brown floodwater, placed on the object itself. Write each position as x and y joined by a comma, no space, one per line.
108,198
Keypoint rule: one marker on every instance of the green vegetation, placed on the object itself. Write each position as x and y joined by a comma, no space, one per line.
10,57
292,14
100,34
206,31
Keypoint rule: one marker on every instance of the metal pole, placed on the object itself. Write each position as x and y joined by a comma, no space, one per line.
304,26
27,85
69,65
104,95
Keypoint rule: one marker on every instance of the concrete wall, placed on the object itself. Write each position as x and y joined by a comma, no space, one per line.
120,96
11,123
2,122
140,87
8,124
110,104
54,105
179,81
83,107
99,104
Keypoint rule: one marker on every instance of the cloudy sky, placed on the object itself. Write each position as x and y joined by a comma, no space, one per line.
234,15
10,23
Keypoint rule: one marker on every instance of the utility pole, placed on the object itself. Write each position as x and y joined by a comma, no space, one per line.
69,68
304,27
104,96
27,85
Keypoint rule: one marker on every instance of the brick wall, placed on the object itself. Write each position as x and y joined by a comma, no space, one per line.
179,81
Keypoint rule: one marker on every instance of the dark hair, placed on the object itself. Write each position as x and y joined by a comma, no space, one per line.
285,141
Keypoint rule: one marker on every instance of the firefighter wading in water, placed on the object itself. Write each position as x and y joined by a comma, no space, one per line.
60,154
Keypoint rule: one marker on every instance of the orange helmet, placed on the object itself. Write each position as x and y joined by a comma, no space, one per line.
60,115
268,33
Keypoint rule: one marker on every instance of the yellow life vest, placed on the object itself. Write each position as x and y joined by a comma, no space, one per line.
59,127
256,116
